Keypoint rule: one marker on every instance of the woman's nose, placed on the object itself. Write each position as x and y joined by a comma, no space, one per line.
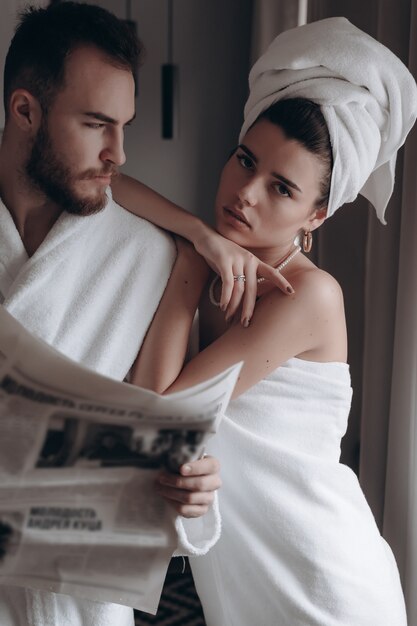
249,193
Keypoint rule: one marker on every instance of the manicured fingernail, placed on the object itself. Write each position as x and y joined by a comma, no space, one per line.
246,322
290,290
186,469
223,307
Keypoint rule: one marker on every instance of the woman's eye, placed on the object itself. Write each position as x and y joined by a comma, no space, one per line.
282,190
245,161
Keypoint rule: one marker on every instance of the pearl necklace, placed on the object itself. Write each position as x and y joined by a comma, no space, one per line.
279,267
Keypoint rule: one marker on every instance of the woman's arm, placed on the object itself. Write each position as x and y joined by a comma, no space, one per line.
306,324
226,258
191,491
163,351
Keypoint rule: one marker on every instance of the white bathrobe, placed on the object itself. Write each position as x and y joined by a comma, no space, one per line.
90,290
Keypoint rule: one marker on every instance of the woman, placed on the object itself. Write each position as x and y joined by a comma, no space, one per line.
299,544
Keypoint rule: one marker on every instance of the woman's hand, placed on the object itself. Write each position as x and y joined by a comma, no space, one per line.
191,492
228,260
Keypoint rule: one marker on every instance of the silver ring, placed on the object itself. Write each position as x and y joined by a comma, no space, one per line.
239,278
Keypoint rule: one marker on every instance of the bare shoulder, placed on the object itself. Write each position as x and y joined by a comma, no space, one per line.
315,291
313,318
319,288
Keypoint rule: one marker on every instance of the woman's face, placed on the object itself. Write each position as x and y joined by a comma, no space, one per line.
267,191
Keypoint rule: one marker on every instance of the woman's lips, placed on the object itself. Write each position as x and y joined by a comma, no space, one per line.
235,217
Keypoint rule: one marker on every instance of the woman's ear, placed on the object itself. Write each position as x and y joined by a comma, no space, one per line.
25,111
316,219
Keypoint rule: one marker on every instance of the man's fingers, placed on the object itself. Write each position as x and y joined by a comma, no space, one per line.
201,467
198,484
191,492
188,510
186,503
198,498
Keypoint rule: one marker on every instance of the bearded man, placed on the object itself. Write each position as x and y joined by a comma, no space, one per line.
75,268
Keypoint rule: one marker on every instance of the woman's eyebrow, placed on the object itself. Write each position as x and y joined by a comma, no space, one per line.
279,176
248,152
286,181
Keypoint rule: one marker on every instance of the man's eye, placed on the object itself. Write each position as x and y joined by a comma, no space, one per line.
94,125
245,161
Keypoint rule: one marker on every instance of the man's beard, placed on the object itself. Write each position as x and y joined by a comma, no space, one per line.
55,179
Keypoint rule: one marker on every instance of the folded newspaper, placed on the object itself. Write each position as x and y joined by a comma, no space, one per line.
79,453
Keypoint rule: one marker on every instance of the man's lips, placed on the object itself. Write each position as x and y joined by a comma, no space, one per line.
100,174
236,214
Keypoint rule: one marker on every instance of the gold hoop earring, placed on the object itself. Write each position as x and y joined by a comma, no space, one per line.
307,241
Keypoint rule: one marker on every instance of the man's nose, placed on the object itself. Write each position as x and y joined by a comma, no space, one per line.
114,149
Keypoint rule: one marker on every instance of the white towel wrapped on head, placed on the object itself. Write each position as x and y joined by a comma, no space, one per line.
367,96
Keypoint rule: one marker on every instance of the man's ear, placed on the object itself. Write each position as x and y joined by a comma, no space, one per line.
25,110
316,219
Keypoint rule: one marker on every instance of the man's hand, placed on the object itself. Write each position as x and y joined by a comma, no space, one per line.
191,492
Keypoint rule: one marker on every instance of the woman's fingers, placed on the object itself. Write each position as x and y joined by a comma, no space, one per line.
227,289
250,294
270,273
239,284
243,290
229,261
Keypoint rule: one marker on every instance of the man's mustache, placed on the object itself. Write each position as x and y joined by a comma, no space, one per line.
107,171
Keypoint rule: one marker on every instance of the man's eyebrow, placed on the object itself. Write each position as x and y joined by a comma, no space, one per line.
279,176
105,118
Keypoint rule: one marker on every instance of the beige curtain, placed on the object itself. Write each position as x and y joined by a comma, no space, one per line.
271,17
400,510
388,468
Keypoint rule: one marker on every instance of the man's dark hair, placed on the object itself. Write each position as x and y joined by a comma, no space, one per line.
45,37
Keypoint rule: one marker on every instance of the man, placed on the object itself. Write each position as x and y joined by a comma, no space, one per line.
75,268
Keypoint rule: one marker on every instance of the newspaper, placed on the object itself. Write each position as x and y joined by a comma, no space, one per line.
79,454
